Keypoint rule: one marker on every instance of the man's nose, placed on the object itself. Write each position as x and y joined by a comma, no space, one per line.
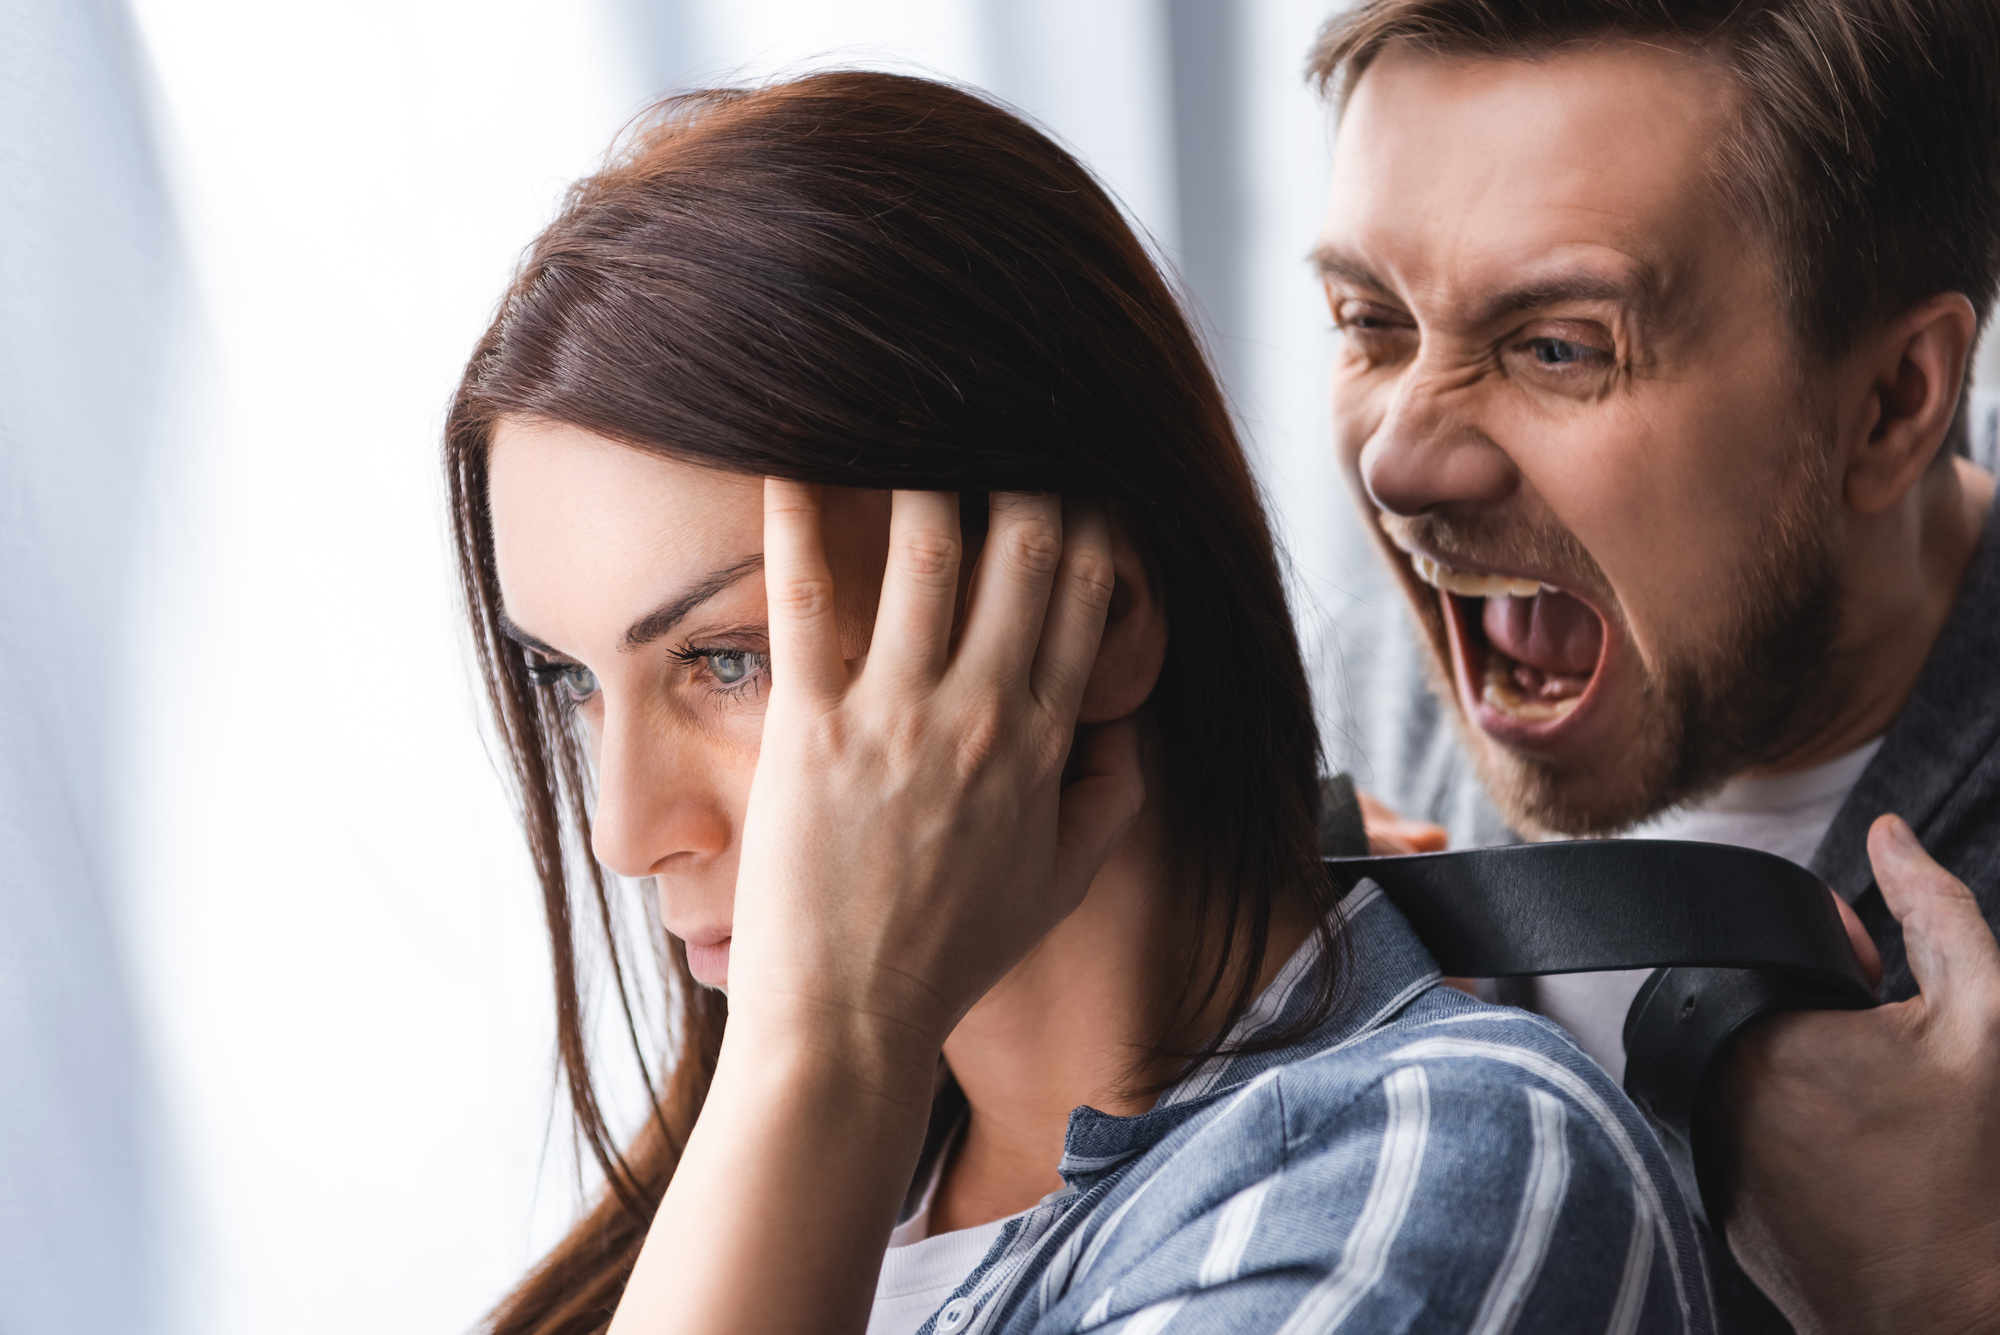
656,800
1431,451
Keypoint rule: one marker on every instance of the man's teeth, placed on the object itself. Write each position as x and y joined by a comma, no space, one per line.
1503,692
1469,585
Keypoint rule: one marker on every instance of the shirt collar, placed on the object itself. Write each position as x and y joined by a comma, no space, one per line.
1382,969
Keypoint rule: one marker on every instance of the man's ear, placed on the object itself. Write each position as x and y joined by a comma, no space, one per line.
1134,646
1916,367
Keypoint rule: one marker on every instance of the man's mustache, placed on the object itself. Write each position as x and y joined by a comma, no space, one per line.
1496,543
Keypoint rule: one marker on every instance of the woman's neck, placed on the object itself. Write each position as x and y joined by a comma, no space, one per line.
1071,1026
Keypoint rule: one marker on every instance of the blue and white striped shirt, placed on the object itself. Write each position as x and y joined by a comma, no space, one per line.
1422,1162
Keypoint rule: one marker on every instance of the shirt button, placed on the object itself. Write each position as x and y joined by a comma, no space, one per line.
955,1314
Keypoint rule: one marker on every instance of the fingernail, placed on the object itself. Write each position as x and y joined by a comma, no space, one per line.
1902,837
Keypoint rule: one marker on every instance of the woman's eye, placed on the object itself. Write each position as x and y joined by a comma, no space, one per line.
730,666
579,681
575,682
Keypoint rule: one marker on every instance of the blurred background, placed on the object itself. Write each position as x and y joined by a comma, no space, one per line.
275,1043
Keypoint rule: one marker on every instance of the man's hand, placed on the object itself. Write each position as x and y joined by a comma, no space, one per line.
1390,832
1866,1144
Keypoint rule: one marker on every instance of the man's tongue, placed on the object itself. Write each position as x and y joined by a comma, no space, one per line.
1553,638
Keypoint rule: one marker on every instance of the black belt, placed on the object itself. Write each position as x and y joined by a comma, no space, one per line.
1731,934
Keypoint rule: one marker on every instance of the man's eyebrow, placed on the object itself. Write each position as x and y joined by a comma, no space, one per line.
657,622
1330,263
671,613
1640,291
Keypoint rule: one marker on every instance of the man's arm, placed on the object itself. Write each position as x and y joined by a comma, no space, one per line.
1865,1145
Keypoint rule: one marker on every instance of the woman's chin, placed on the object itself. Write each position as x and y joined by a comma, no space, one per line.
710,964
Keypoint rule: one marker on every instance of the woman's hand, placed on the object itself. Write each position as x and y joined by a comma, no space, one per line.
909,838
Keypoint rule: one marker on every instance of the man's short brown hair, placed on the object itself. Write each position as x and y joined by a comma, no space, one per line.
1871,144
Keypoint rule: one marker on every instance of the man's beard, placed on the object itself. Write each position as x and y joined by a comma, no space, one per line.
1759,684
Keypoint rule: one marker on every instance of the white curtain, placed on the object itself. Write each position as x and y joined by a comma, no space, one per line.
274,1016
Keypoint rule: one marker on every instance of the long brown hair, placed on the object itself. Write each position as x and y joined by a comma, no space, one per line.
876,281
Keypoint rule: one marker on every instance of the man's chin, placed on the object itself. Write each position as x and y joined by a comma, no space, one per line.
1594,761
1542,798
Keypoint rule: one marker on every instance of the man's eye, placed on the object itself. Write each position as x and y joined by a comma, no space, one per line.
1561,352
733,665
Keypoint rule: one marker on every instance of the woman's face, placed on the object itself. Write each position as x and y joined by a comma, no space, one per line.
638,583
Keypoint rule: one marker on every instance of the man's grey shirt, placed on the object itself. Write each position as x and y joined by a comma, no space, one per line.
1420,1162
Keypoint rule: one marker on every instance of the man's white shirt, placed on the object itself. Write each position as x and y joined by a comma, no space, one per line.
1785,814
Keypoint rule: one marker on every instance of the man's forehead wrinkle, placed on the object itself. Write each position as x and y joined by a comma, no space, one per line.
676,609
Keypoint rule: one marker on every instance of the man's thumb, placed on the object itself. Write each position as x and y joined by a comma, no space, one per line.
1951,949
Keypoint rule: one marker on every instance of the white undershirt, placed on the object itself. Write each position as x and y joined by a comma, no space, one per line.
919,1271
1786,814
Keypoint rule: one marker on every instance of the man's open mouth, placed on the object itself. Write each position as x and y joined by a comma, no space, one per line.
1527,651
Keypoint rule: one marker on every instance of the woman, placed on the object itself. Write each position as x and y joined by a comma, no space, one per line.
703,470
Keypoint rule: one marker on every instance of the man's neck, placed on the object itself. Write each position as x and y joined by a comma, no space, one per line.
1903,573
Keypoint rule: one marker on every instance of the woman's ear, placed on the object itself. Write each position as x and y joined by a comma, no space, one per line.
1134,646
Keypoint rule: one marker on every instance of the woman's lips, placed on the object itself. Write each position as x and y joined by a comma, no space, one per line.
708,961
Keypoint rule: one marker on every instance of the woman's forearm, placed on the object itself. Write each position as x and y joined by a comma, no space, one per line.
908,839
783,1202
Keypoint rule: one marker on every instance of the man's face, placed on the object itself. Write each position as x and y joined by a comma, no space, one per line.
1569,396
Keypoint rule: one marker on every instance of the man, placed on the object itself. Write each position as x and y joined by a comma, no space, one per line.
1655,322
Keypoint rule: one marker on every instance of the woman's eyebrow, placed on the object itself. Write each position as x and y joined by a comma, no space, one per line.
670,613
656,622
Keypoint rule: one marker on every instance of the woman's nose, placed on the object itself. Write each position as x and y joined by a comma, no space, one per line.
656,800
1431,452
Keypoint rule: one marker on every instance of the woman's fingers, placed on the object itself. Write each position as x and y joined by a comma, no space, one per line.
798,587
919,589
1010,588
1078,604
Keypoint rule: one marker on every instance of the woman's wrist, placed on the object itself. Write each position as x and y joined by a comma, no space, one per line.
858,1061
789,1184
